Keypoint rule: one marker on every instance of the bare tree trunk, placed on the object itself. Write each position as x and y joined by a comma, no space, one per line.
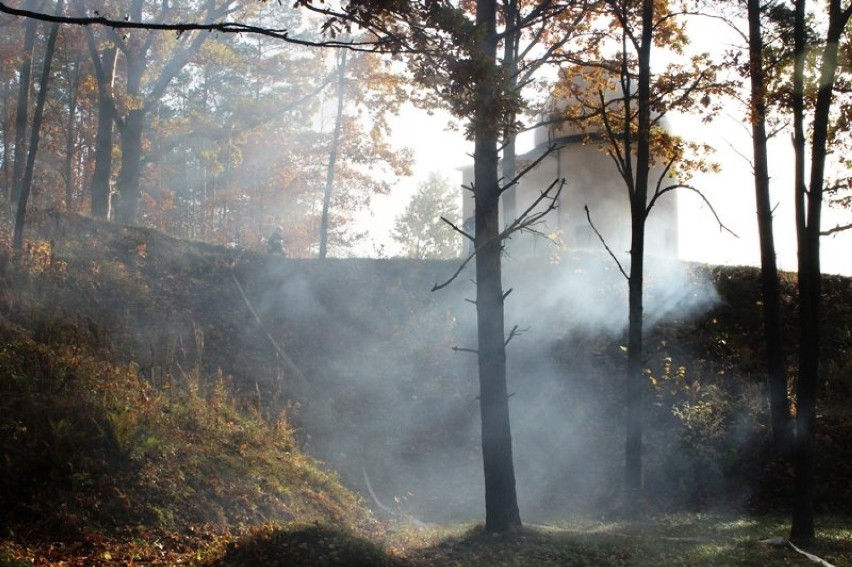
775,366
808,221
7,142
71,133
128,182
510,61
20,214
501,504
332,155
104,75
22,112
103,158
638,216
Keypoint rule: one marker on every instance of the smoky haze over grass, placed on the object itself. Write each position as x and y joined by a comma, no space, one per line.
387,394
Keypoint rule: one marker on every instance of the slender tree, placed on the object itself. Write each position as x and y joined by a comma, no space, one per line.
764,52
511,47
22,112
333,151
809,191
501,503
26,184
775,360
74,74
638,214
613,96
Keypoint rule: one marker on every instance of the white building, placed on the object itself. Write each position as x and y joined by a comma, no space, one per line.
591,179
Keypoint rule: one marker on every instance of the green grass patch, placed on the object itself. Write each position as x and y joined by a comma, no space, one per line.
687,539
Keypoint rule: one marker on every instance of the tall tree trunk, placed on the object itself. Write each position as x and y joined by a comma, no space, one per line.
104,74
775,366
501,504
71,133
7,142
103,158
638,216
808,225
22,112
802,525
332,155
129,189
20,213
510,61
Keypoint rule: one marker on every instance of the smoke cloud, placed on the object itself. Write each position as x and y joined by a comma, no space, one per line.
388,395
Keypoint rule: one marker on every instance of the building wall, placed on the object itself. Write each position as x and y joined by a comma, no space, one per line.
591,178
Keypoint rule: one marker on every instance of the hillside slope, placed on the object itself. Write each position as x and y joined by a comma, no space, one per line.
120,439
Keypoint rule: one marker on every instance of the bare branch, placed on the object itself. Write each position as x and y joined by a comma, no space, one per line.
275,344
457,229
462,349
657,187
524,222
515,332
742,155
528,218
458,271
605,245
550,149
620,156
181,27
836,229
722,226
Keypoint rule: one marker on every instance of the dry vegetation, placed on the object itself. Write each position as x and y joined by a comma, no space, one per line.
141,426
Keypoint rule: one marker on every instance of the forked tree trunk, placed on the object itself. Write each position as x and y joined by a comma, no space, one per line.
808,226
510,61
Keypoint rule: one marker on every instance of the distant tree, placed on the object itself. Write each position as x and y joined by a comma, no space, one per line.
243,142
421,230
360,158
22,111
35,133
332,153
151,61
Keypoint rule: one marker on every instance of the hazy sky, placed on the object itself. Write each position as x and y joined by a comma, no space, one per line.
731,191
